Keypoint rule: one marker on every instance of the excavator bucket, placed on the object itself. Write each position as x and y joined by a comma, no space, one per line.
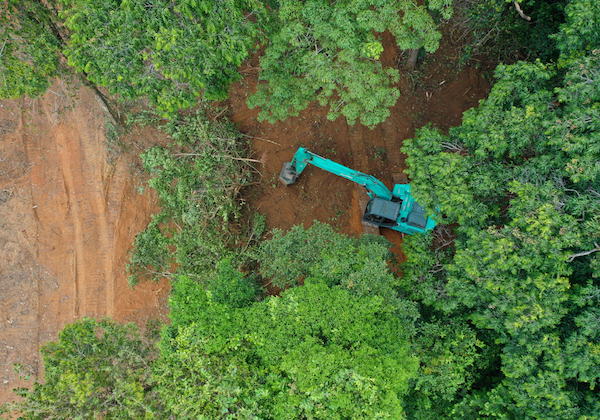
288,176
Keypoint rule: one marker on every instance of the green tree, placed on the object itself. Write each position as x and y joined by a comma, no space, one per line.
30,45
519,181
329,51
314,352
171,52
97,369
450,355
347,316
359,265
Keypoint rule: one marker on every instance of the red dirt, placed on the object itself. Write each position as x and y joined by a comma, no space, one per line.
68,219
70,210
438,93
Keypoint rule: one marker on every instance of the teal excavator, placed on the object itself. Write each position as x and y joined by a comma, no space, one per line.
395,209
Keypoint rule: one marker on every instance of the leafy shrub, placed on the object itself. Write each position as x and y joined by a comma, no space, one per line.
197,179
359,264
229,286
224,286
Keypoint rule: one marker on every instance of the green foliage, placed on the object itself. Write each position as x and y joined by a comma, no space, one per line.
448,352
187,299
29,47
448,179
230,287
520,179
497,30
151,255
357,264
197,179
170,52
224,286
97,369
580,34
253,361
197,382
328,52
424,273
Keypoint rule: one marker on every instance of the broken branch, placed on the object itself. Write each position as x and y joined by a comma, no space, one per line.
581,254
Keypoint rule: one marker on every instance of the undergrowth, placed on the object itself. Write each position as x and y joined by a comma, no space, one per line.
198,178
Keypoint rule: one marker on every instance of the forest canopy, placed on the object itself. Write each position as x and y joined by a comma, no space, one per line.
519,178
493,315
174,52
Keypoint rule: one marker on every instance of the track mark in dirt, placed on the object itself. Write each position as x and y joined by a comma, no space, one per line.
80,214
66,157
393,141
357,146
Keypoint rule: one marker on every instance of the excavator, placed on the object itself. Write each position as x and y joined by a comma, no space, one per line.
396,210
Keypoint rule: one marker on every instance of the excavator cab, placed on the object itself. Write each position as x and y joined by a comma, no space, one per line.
381,212
417,217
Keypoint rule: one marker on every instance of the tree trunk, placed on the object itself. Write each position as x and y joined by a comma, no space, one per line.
104,101
411,64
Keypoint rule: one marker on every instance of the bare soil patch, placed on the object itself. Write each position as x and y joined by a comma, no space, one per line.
68,218
437,93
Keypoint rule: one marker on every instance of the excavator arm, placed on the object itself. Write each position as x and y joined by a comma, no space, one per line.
292,170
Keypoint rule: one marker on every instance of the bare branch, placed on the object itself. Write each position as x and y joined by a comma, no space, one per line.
581,254
259,138
459,148
520,11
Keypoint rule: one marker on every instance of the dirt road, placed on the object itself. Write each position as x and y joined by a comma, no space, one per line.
69,212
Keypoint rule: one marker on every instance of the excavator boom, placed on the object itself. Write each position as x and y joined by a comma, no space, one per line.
292,170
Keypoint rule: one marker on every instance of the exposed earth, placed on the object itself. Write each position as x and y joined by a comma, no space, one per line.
70,205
